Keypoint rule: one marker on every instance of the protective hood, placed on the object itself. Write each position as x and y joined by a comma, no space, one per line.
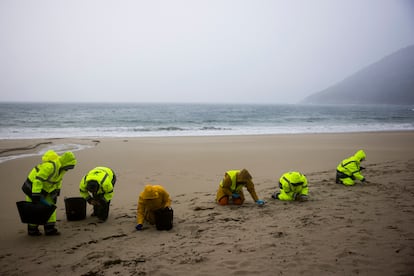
68,159
360,155
149,192
50,155
243,176
295,177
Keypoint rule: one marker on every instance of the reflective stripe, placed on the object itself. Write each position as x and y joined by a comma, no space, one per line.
293,184
347,163
54,171
104,178
50,176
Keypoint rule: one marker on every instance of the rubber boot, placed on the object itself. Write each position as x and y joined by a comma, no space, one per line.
102,211
50,230
275,195
94,211
33,230
337,181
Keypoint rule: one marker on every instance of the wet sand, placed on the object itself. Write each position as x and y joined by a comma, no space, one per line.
365,229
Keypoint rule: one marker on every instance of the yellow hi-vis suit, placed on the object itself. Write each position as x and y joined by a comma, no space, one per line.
45,180
153,197
292,185
104,177
230,185
349,169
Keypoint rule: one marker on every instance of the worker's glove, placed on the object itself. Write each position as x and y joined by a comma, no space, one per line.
96,202
302,198
260,202
44,202
93,202
138,227
102,202
235,195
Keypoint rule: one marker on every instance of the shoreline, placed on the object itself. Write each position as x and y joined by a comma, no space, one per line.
31,145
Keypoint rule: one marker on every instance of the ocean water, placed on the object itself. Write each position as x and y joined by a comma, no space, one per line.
55,120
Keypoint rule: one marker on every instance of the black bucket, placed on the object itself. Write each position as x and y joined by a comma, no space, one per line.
75,208
34,213
164,218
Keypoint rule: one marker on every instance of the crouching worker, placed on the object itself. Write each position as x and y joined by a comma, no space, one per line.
154,207
43,186
349,169
231,188
97,188
293,187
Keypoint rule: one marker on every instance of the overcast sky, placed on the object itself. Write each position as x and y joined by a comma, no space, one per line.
254,51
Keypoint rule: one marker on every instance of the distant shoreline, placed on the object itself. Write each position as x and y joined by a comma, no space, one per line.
97,138
20,148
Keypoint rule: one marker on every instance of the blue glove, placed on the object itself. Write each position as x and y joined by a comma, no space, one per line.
138,227
260,202
235,195
44,202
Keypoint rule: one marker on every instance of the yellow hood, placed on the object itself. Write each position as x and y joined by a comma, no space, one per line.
360,155
50,155
149,192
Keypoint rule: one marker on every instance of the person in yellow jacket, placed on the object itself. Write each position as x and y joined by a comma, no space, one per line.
231,187
44,183
293,187
151,199
350,169
97,188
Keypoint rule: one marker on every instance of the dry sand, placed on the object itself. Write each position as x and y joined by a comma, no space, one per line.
366,229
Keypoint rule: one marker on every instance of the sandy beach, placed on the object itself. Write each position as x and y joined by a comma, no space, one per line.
366,229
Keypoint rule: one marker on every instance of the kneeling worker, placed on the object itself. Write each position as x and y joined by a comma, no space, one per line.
154,206
349,169
231,187
97,188
293,187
